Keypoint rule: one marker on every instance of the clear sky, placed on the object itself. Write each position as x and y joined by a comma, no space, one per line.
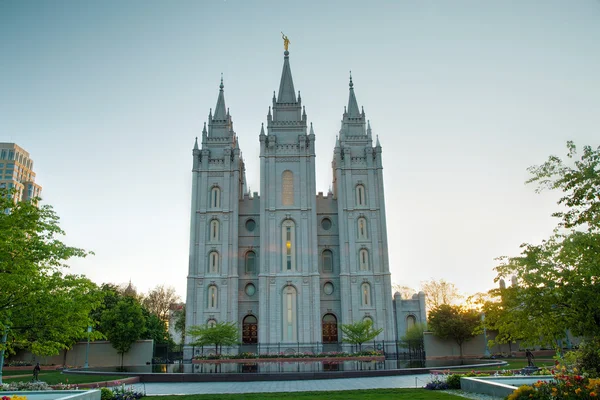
107,97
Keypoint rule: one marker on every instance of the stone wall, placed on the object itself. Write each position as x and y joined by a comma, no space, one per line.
101,354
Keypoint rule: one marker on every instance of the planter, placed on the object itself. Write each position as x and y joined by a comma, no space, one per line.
288,359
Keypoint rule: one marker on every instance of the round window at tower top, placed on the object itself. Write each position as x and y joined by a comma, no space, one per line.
328,288
250,225
250,289
326,224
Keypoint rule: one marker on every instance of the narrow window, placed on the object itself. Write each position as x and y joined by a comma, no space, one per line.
362,228
361,200
215,197
363,256
250,262
366,294
214,230
213,263
289,314
289,247
410,321
213,300
327,261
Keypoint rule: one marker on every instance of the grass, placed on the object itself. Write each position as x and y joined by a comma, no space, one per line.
373,394
513,363
55,377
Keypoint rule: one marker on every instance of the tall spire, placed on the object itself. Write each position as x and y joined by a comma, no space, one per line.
220,110
353,111
287,94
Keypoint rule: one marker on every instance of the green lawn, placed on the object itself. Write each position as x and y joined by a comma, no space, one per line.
54,377
373,394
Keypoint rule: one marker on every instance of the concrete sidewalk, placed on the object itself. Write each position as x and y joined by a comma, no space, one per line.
384,382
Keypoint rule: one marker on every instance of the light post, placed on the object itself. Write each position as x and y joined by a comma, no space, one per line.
487,350
4,336
87,347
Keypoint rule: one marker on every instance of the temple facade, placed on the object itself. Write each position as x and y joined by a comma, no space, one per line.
289,266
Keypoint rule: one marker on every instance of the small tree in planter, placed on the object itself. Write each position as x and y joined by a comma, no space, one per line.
219,334
454,322
359,332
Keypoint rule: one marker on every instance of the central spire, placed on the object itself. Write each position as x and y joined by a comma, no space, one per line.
287,94
353,111
220,110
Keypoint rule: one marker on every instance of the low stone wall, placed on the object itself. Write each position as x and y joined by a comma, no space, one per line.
101,354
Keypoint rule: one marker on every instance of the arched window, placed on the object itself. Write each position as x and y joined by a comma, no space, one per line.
287,188
211,323
213,262
215,197
214,230
361,200
362,228
288,245
327,261
213,297
289,314
365,297
250,262
410,321
363,259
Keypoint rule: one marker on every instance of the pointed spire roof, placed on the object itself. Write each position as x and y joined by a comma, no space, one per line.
220,110
196,144
287,94
352,111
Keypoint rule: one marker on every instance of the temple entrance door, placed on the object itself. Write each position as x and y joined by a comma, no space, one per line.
330,332
249,330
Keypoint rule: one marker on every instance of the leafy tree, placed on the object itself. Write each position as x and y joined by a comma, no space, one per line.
557,280
219,334
36,299
360,332
124,324
155,329
440,292
454,322
158,301
180,323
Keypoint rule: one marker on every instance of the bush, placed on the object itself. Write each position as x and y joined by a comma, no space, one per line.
453,381
437,384
106,394
588,357
18,386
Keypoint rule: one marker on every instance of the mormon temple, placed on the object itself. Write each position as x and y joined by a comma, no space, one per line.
290,266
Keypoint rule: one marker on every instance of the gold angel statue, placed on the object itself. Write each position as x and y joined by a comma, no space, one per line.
286,41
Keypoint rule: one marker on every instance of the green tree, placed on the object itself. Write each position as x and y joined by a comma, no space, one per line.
360,332
557,281
155,329
220,334
180,322
33,287
124,324
454,322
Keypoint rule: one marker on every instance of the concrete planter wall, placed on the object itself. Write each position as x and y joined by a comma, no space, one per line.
57,394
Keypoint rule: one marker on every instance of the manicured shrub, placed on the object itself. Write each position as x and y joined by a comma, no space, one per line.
437,384
453,381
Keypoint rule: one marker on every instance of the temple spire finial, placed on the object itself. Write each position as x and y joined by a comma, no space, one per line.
220,109
352,104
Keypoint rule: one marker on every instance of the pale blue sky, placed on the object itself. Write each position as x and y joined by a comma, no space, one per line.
108,96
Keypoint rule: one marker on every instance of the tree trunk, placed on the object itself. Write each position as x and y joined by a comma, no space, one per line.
65,358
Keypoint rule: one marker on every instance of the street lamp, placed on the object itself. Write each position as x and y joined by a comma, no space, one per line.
487,350
87,347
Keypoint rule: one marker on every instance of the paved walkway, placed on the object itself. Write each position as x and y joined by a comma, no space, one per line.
382,382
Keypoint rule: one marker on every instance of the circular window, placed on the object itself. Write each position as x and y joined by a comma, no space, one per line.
326,224
250,289
250,225
328,288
